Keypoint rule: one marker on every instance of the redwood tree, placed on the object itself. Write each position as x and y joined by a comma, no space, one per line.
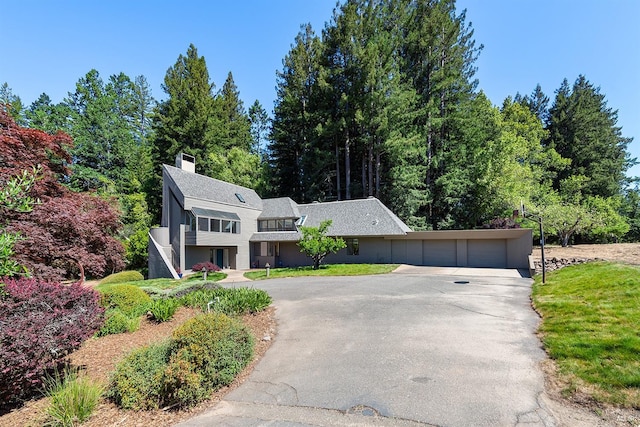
66,232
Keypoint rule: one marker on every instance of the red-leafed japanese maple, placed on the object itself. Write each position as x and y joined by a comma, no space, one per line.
40,324
67,233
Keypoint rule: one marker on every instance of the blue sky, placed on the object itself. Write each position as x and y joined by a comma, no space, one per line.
49,45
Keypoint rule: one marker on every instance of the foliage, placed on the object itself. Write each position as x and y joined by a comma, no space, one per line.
138,380
212,346
163,310
204,354
116,322
67,232
589,328
229,301
325,270
40,324
584,129
129,299
207,266
315,243
122,277
72,398
14,197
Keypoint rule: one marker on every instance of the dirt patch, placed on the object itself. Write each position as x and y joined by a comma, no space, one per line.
628,253
99,356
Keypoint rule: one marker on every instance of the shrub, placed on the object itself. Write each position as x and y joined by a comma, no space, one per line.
208,266
163,309
122,277
138,380
230,301
40,324
214,346
116,322
72,399
130,299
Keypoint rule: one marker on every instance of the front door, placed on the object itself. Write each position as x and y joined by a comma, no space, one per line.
220,257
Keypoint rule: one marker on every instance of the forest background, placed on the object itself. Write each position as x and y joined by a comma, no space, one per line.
383,101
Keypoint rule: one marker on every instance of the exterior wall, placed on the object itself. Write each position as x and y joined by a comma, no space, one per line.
460,248
238,244
159,252
196,254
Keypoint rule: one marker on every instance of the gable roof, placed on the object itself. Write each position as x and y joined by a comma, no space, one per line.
281,207
362,217
202,187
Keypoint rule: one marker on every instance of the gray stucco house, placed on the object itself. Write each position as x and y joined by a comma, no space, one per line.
205,219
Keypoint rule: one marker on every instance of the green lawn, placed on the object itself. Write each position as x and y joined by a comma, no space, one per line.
170,284
591,327
324,270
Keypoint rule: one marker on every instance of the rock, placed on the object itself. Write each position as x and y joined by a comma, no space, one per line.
266,338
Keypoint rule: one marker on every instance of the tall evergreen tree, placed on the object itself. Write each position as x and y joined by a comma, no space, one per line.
48,117
439,53
294,126
584,129
235,121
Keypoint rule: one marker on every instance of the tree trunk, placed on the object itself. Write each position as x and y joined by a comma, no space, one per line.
370,170
378,173
347,168
338,170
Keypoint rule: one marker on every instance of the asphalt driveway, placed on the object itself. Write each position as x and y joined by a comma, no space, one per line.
395,349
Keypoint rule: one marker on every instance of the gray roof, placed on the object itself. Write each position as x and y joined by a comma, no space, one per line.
362,217
282,207
202,187
276,236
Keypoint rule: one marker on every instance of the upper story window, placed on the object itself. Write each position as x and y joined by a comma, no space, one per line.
277,225
212,221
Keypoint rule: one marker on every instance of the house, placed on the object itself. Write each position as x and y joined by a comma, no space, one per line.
205,219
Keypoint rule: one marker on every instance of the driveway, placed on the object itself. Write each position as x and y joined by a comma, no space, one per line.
395,349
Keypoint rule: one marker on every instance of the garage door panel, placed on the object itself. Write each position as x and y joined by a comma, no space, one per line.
487,253
439,253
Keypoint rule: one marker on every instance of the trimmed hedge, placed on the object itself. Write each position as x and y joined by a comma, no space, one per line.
129,299
122,277
40,324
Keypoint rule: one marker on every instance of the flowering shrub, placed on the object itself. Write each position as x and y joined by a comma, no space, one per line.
40,324
208,266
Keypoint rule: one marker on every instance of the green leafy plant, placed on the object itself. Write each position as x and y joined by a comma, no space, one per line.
122,277
315,243
131,300
163,310
138,380
230,301
116,322
72,398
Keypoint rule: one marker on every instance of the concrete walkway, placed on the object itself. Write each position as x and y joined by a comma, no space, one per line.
234,276
401,349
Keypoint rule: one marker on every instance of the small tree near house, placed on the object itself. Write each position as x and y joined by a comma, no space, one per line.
317,245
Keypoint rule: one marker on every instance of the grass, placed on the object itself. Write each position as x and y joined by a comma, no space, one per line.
324,270
160,285
591,314
73,398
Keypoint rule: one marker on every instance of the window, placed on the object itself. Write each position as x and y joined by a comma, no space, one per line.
226,226
353,247
239,196
276,225
215,225
203,224
190,222
301,220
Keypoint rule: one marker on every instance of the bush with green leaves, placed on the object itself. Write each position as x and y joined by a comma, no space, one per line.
130,299
72,398
138,380
163,310
204,354
230,301
214,346
122,277
116,322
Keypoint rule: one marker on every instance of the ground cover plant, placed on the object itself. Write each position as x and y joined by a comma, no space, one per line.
72,398
590,323
122,277
323,270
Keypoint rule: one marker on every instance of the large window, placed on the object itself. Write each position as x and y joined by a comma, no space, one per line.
266,248
353,247
287,224
218,225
